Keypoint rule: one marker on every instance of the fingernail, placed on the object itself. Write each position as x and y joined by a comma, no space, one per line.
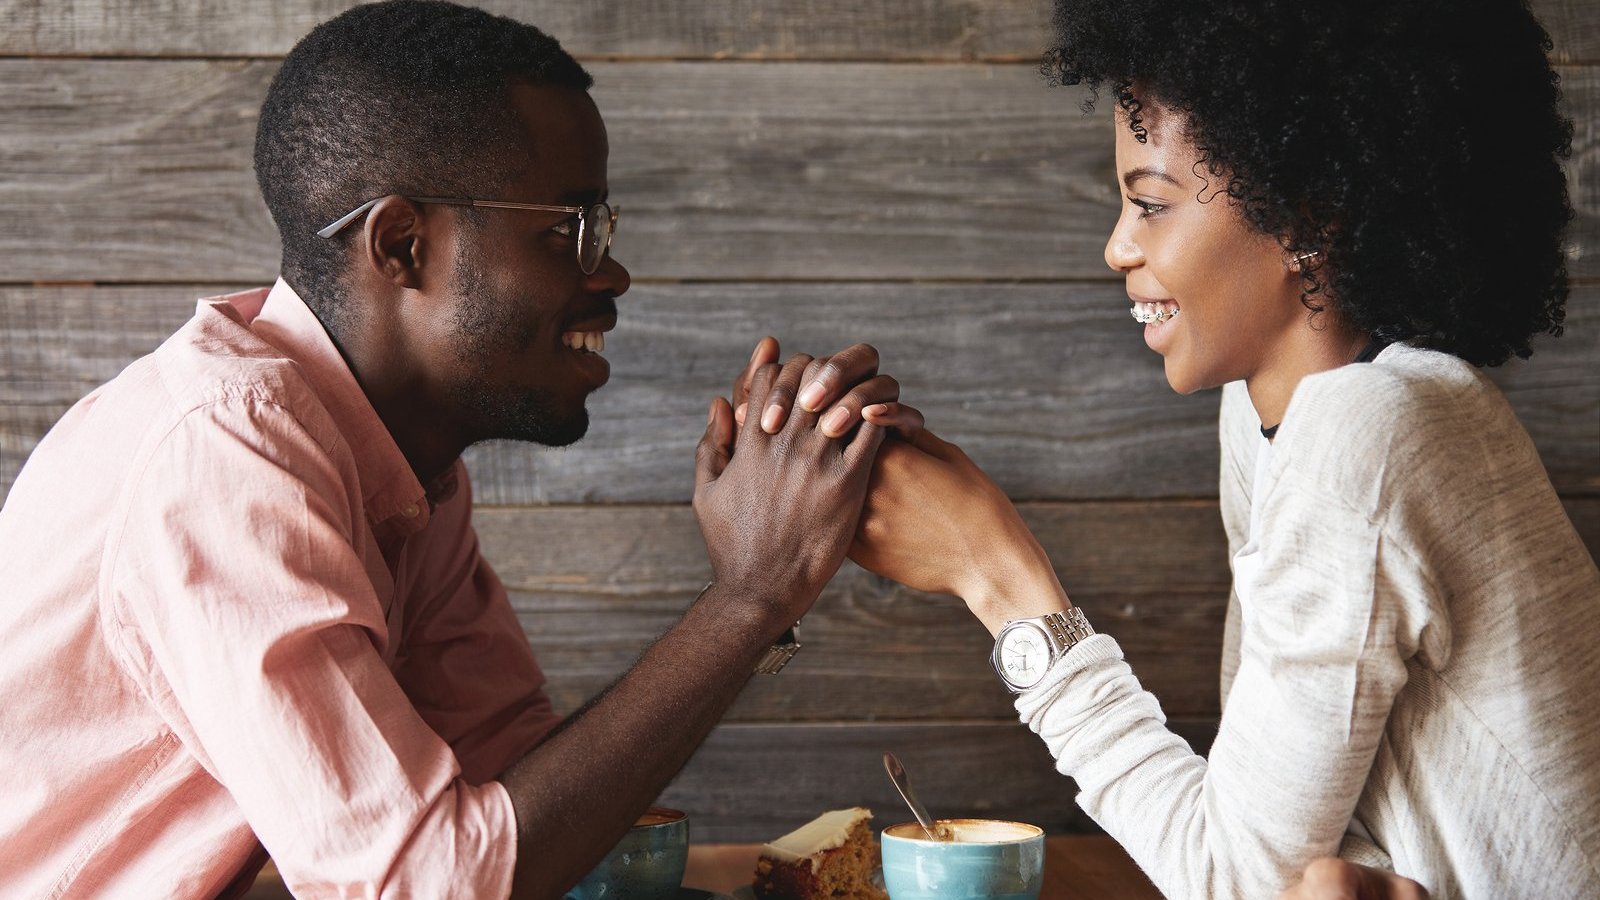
836,420
770,418
753,354
811,397
711,412
876,409
741,412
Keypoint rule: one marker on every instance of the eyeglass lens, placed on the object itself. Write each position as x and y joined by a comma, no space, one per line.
595,237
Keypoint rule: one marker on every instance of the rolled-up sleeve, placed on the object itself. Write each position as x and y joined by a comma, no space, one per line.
243,608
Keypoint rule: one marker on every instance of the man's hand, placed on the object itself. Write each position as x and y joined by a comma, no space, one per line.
1335,879
935,522
843,390
778,516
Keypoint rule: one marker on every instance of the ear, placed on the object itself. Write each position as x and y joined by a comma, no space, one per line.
396,241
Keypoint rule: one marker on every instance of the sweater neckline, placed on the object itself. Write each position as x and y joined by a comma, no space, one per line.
1368,354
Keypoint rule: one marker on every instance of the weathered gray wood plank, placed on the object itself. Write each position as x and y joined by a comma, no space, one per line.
752,783
139,170
1048,386
717,29
594,585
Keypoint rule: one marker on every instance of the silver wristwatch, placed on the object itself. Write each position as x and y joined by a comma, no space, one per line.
1026,648
779,654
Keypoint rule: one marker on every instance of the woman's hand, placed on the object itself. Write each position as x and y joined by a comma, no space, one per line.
843,390
935,522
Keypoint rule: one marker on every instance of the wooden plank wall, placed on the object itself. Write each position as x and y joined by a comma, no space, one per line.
827,170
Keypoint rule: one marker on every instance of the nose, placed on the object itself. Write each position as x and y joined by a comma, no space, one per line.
1123,253
610,277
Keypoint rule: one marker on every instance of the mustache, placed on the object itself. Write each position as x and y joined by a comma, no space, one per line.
604,305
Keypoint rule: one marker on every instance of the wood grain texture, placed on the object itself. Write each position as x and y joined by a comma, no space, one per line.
139,171
756,782
943,30
714,29
593,586
1048,386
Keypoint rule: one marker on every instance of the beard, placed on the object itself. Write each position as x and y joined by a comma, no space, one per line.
489,326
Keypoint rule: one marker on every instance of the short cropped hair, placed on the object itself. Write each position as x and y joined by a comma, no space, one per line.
1416,145
406,96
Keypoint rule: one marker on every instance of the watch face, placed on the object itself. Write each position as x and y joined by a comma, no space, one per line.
1024,655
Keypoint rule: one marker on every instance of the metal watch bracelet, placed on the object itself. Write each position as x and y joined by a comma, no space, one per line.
779,654
1070,627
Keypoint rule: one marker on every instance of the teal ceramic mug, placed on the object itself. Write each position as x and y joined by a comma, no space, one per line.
646,865
988,860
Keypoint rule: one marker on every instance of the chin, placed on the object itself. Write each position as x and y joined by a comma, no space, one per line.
551,431
1180,381
533,417
1187,375
566,433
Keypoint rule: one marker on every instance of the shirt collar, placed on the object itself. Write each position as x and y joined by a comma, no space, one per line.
389,489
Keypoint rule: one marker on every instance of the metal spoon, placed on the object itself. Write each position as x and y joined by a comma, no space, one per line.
897,774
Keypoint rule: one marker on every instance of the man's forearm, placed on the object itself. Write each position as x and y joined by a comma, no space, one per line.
578,792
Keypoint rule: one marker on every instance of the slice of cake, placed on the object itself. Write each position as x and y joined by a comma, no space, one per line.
832,856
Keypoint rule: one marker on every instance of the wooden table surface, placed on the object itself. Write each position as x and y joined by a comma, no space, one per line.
1090,867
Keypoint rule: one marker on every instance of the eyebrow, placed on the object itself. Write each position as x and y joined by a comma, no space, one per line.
1148,172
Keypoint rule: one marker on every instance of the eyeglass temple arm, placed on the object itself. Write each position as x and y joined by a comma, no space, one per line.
339,224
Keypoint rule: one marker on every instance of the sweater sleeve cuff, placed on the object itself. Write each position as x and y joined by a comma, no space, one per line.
1085,654
1088,702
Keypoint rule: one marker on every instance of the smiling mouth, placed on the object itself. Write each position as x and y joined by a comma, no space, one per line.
1148,313
584,341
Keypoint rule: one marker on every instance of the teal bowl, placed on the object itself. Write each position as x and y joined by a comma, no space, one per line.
989,860
647,864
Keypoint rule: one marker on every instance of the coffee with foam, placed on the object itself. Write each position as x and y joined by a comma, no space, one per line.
970,831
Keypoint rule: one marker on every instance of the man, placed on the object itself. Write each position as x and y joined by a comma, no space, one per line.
245,609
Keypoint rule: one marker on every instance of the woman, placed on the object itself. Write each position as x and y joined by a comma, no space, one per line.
1334,211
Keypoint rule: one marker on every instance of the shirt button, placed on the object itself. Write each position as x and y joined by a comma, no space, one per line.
410,512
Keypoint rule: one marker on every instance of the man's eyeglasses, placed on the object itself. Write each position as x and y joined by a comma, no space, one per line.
596,223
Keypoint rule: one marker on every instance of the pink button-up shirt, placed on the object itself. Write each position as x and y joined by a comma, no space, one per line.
230,614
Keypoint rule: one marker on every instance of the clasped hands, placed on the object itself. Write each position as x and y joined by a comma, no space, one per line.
794,473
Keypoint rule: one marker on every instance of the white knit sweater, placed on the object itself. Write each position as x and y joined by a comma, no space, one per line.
1418,658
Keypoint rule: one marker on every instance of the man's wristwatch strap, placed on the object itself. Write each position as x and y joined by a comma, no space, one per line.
779,654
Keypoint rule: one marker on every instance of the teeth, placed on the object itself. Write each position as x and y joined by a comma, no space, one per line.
592,341
1147,313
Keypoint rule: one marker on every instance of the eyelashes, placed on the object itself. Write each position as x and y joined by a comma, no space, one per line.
1146,208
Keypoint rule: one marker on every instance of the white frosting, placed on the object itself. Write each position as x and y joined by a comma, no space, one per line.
825,832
